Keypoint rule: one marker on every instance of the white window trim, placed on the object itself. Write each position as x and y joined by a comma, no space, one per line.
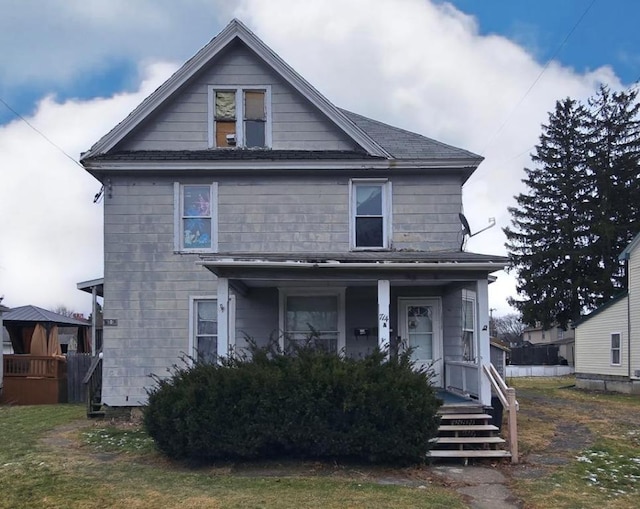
191,349
178,224
313,292
619,349
387,219
470,296
240,136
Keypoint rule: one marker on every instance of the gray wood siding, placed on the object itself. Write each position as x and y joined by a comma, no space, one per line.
262,214
147,289
182,123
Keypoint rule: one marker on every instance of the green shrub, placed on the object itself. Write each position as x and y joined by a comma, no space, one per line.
306,404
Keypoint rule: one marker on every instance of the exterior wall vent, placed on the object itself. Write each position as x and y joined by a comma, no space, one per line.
636,373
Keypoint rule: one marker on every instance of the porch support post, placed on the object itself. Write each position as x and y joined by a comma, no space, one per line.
94,318
384,300
223,317
484,345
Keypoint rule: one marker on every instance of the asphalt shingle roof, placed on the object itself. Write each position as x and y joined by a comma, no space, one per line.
402,144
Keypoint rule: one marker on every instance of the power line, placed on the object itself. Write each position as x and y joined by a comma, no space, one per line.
39,132
544,68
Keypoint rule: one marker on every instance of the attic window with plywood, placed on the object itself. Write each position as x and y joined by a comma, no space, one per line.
240,117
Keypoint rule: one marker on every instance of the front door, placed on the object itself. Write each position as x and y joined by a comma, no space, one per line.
420,328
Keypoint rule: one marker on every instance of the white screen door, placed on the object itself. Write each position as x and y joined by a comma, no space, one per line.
420,328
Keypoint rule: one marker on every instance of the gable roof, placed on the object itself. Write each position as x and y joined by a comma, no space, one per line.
36,314
234,30
628,250
600,309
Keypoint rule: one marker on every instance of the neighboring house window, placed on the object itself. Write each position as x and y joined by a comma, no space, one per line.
195,217
370,214
205,330
240,117
615,348
468,326
560,333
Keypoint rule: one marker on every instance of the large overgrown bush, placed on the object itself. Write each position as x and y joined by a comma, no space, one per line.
306,404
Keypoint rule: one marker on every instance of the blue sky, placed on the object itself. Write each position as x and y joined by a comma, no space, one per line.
460,72
607,32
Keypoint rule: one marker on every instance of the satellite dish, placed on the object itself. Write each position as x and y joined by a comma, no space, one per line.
466,229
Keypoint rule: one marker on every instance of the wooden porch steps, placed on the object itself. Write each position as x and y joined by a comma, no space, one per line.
465,432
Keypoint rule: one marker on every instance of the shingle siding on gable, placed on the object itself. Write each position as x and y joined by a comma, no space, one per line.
182,124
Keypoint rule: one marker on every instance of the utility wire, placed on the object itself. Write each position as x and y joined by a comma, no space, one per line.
544,68
39,132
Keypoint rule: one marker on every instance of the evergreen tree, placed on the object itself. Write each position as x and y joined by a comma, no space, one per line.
614,194
551,223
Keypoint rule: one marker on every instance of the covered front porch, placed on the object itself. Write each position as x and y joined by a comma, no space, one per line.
436,305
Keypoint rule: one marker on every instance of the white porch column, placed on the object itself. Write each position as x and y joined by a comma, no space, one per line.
483,346
384,300
223,317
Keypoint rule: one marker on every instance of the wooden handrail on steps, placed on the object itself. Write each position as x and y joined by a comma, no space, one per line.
507,396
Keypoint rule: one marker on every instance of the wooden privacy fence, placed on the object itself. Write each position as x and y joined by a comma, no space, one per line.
77,367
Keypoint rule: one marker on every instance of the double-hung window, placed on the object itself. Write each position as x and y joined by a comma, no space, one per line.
195,217
468,326
313,317
240,117
615,348
205,330
370,220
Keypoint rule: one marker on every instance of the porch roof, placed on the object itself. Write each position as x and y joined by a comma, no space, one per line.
401,265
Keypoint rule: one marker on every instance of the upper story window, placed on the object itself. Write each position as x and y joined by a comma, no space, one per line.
239,117
370,214
195,219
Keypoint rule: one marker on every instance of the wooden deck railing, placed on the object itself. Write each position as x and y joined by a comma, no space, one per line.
16,365
34,379
507,396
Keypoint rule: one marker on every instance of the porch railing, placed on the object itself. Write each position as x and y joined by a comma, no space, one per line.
462,377
507,396
93,381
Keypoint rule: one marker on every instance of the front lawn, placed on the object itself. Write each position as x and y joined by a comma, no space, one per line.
53,457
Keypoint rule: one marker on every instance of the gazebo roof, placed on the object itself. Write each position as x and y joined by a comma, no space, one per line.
36,314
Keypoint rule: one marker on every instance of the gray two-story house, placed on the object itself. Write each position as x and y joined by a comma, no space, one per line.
240,203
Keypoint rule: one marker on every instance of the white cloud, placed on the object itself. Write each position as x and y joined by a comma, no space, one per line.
51,230
410,63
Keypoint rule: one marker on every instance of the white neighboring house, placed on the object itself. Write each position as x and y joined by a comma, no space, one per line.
3,309
608,339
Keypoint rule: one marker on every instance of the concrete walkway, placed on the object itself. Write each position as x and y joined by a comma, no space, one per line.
484,487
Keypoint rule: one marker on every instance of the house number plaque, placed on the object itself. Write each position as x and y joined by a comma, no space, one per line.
110,322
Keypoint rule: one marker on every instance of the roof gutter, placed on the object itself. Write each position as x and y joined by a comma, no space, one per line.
383,266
